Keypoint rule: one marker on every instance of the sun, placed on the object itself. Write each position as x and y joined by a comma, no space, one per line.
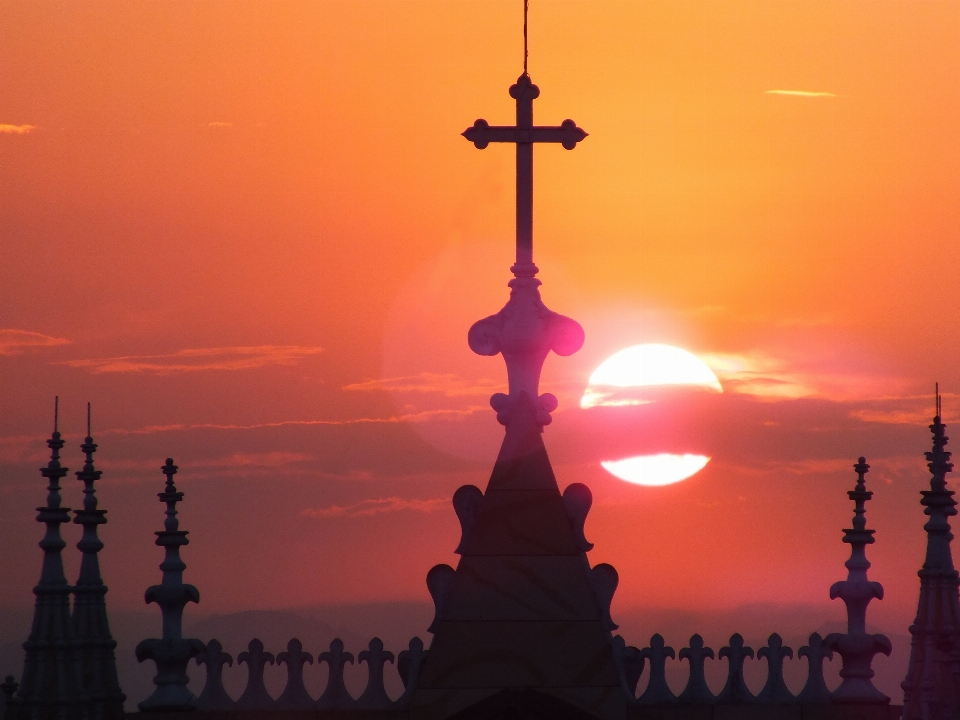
661,469
644,366
617,382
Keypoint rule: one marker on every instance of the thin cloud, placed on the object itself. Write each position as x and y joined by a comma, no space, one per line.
16,129
219,124
448,385
424,416
907,410
14,342
366,508
800,93
199,360
762,375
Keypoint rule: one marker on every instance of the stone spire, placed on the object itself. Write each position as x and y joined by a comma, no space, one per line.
101,694
931,689
49,688
172,652
857,647
524,621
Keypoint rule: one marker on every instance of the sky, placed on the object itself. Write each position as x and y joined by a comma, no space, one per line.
250,234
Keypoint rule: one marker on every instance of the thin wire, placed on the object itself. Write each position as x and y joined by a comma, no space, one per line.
526,8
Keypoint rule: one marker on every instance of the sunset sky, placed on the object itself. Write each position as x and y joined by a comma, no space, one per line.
249,232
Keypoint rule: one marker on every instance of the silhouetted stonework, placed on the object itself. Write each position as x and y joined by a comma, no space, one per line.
172,651
932,686
522,626
50,688
101,697
857,647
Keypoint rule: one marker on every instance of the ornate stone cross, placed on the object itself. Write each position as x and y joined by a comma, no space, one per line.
525,330
524,134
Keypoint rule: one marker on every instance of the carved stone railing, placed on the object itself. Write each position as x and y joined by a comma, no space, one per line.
633,661
335,696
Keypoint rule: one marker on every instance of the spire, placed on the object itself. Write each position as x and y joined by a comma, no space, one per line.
172,652
857,647
931,690
49,686
91,630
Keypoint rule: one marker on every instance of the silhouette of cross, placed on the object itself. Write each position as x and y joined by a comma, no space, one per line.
524,134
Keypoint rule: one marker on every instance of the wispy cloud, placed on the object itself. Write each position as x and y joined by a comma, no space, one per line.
216,124
366,508
424,416
761,374
199,359
448,385
906,410
801,93
13,342
16,129
755,373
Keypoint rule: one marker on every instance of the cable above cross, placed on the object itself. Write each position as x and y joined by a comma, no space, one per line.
524,134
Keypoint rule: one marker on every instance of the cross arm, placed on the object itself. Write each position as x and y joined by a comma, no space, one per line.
482,134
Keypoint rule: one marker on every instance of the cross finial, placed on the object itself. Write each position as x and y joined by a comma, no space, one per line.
169,469
525,331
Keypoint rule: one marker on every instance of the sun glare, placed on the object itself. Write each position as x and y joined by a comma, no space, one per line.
662,469
644,366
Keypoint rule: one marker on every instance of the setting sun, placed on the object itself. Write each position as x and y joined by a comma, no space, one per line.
644,366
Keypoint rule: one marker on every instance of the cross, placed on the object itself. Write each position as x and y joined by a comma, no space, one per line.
524,134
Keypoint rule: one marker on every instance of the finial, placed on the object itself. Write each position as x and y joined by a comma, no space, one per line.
937,394
169,469
172,652
856,647
934,643
50,648
56,412
91,629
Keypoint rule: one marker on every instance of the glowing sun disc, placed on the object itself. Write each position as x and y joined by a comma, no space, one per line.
655,470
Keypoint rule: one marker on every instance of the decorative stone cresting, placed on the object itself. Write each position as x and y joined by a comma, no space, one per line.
815,691
214,696
409,662
335,695
696,655
657,692
629,663
775,690
255,696
857,647
172,652
735,691
295,695
375,696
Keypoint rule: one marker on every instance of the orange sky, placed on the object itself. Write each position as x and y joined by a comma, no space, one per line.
265,209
